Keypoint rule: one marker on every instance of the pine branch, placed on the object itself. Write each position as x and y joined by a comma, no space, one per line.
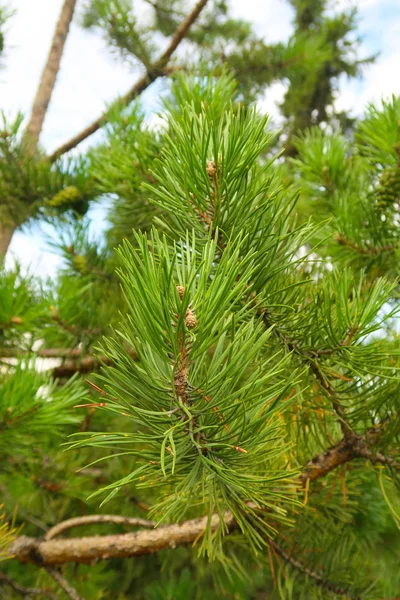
23,591
310,362
64,584
90,519
153,73
90,549
74,359
348,449
49,75
317,579
365,250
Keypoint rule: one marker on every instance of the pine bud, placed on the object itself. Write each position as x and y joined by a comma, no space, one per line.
211,169
190,319
181,290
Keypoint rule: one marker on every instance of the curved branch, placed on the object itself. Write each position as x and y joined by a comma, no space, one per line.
348,449
90,519
153,73
93,548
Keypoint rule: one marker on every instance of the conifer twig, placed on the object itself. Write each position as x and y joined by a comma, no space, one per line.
152,73
90,519
63,583
315,577
23,591
348,449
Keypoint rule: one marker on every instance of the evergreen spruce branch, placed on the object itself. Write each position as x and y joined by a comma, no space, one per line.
153,73
312,575
55,531
63,583
23,591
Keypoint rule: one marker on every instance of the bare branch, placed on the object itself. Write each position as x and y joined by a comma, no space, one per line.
90,549
49,74
90,519
157,70
63,583
73,359
315,577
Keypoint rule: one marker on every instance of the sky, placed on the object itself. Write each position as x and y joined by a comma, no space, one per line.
90,78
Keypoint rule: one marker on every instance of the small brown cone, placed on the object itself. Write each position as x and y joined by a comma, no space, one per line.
190,319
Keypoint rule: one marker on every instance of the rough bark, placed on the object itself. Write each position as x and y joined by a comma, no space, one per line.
348,449
49,74
90,549
6,234
157,70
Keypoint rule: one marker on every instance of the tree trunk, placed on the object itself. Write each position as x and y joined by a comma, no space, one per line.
49,75
6,234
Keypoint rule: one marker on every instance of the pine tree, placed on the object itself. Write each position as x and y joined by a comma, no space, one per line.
241,400
203,39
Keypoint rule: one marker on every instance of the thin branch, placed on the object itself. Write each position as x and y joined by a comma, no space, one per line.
153,73
74,360
49,74
23,591
42,352
90,519
63,583
309,361
365,250
90,549
315,577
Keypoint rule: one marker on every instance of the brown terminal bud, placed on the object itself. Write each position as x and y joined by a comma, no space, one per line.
181,290
211,169
190,319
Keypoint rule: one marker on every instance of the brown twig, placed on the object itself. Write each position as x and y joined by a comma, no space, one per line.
63,583
90,519
316,578
74,360
365,250
152,73
310,362
348,449
23,591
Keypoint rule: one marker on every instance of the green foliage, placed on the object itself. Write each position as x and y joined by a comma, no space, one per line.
253,331
200,389
33,407
5,14
31,187
358,186
120,28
